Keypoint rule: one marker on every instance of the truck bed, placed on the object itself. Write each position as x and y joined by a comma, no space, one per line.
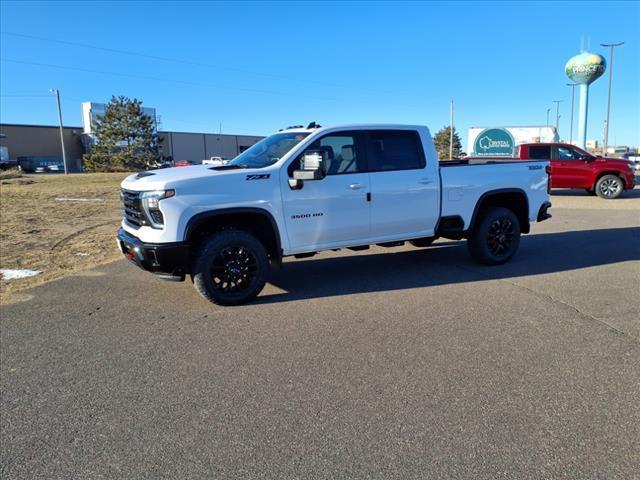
464,185
479,161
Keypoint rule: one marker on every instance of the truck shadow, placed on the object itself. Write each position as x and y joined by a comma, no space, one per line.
449,263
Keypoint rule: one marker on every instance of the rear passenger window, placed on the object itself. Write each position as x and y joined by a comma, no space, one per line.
394,150
540,153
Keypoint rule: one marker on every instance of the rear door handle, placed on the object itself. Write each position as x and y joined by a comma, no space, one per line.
425,181
356,186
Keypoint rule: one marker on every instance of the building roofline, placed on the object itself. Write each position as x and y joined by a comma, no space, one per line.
36,126
518,126
212,133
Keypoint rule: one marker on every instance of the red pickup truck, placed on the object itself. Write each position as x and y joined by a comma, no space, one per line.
572,167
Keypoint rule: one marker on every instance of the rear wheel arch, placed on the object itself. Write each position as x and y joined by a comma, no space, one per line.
514,199
256,221
608,172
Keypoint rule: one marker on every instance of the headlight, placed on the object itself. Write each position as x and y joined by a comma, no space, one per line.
151,205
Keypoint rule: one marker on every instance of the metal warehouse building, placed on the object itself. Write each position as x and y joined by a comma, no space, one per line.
198,146
43,142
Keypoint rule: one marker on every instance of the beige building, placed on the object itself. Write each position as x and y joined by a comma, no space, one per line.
41,143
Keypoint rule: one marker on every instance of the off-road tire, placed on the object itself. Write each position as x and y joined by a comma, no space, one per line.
609,187
495,237
226,256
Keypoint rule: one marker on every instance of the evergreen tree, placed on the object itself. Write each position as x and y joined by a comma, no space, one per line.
124,138
441,141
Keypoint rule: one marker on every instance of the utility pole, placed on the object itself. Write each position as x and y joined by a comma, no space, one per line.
557,102
573,92
451,133
606,128
548,110
64,152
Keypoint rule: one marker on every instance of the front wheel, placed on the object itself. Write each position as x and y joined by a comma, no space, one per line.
609,187
496,237
231,268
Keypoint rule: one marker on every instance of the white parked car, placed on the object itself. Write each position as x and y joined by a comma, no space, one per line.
301,191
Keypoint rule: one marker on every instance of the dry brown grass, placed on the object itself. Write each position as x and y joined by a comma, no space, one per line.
56,237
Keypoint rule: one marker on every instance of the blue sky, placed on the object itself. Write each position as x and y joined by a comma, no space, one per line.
258,67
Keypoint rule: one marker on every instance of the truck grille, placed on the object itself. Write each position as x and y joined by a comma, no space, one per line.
131,208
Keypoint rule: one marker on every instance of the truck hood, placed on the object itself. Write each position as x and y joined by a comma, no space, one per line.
614,162
164,178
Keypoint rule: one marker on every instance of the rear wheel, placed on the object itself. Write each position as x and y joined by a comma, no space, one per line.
609,187
231,268
496,237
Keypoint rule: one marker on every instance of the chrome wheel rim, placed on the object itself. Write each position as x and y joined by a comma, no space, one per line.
233,269
500,236
610,187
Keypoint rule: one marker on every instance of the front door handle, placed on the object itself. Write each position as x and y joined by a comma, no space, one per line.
356,186
425,181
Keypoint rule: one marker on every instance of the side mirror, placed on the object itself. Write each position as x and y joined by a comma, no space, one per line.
313,166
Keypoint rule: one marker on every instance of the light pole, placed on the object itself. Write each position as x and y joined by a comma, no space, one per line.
451,134
64,152
606,128
557,102
573,92
548,110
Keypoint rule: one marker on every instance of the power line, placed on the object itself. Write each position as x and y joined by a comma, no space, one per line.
184,82
24,96
191,62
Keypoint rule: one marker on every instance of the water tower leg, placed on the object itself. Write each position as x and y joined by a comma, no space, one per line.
582,116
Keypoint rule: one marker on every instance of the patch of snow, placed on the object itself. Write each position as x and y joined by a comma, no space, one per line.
10,274
82,254
92,200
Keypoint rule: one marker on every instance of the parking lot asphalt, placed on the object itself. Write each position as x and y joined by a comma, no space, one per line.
389,363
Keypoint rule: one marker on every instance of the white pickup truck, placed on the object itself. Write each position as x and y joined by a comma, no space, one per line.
303,190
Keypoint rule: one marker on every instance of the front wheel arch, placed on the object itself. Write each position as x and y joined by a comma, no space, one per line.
256,221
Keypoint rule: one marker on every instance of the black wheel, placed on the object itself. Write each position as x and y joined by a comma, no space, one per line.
609,187
590,191
422,242
231,268
496,237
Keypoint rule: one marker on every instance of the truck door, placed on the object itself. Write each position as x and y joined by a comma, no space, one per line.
405,195
576,172
334,210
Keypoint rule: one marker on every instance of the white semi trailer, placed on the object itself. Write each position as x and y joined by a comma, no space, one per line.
500,141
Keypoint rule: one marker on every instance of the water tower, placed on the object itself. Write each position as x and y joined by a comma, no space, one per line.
584,69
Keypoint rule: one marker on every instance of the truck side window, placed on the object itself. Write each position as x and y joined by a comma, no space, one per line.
565,153
541,152
394,150
341,151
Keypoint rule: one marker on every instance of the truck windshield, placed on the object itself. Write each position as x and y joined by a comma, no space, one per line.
268,151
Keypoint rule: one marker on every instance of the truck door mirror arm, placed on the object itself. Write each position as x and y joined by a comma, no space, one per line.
295,184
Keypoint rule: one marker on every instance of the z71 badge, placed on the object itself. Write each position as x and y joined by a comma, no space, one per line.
262,176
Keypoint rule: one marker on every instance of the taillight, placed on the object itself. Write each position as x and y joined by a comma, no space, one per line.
548,170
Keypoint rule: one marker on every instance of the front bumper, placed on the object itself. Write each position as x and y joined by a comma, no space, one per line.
169,261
